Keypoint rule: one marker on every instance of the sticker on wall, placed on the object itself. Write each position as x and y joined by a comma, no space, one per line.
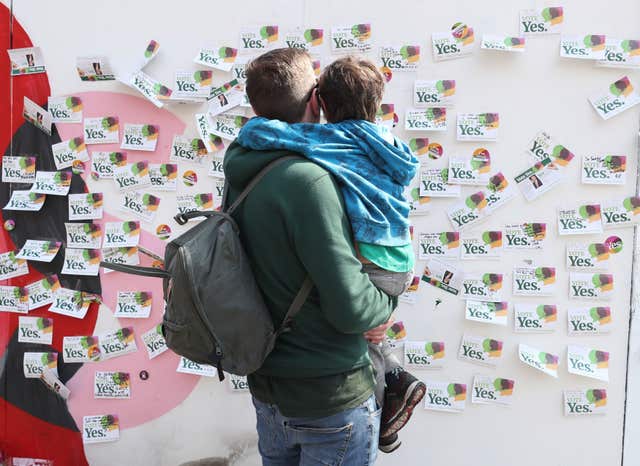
128,256
438,93
192,86
423,354
543,147
27,201
484,245
488,312
477,126
396,334
621,53
184,149
589,320
445,396
140,137
152,89
418,205
549,20
534,281
81,262
11,266
310,39
238,383
213,142
386,116
502,43
101,130
427,119
36,115
525,236
257,40
218,57
473,171
190,178
227,125
588,362
434,182
117,343
101,428
482,286
443,275
65,153
39,250
540,178
35,330
14,299
94,68
18,169
351,39
81,349
225,97
111,386
216,168
541,360
163,176
27,60
445,244
535,318
456,43
604,169
140,204
33,363
54,183
103,164
55,385
154,341
619,96
65,109
191,202
133,304
132,175
85,206
399,58
186,366
588,256
585,402
587,47
480,350
498,192
468,212
489,390
121,234
41,291
590,285
163,231
585,219
621,213
68,302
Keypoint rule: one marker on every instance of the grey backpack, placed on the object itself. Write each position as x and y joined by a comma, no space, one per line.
215,313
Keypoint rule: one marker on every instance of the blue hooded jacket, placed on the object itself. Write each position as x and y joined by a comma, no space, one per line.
372,167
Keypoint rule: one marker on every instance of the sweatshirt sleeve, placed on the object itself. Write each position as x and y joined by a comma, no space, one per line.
322,238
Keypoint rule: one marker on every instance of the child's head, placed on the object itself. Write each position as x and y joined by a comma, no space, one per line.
351,89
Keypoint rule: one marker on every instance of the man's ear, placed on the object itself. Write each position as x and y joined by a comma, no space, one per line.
314,101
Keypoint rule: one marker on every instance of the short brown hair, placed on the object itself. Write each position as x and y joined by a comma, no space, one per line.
279,83
351,89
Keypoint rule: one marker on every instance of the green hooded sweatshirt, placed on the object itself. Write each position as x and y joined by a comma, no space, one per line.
292,224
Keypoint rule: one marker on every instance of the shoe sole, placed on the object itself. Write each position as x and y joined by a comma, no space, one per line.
390,448
414,395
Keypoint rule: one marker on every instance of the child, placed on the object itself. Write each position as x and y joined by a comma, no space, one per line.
373,168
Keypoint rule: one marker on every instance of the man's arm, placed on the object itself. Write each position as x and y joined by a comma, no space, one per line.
322,238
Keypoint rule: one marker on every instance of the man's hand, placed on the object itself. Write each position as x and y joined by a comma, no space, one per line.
376,335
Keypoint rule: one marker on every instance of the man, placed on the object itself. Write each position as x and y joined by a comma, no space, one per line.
314,394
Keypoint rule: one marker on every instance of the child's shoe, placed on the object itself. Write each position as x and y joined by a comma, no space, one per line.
401,396
389,444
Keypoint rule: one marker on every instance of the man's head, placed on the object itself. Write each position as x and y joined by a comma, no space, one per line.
351,89
279,84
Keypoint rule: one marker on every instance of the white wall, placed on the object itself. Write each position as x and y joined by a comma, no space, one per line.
533,91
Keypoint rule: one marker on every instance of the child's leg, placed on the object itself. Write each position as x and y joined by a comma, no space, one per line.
391,362
378,361
392,283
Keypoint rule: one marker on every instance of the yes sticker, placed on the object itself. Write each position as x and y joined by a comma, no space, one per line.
83,235
587,47
81,262
525,236
618,97
535,318
186,366
185,149
163,176
80,349
35,330
103,164
440,93
454,44
227,125
621,53
18,169
590,285
604,169
192,85
541,360
191,202
25,201
543,147
584,219
256,40
140,137
434,182
85,206
41,291
351,39
132,175
54,183
487,390
468,212
99,429
472,171
445,396
66,153
212,141
502,43
133,304
70,303
101,130
219,57
445,244
588,256
585,402
65,109
121,234
480,350
589,320
118,343
482,286
154,341
423,354
621,213
37,250
152,89
534,281
111,385
11,266
429,119
484,245
128,256
477,126
142,205
33,364
588,362
399,58
14,299
549,20
489,312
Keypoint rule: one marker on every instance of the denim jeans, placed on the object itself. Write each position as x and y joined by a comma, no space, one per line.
348,438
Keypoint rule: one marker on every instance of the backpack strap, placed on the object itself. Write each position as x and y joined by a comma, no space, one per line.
252,184
296,306
136,270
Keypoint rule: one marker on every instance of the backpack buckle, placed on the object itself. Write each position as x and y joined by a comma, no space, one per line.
180,219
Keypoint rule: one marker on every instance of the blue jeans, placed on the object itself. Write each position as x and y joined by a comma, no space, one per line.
348,438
